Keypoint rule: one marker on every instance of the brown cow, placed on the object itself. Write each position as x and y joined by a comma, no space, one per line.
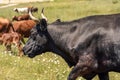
23,27
5,25
21,17
10,38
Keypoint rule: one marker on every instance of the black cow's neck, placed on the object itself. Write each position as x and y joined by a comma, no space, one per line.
53,48
61,53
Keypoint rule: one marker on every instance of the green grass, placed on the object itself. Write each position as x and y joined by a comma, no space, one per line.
44,67
49,66
69,9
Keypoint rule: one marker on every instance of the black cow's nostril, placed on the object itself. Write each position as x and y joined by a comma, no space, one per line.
26,50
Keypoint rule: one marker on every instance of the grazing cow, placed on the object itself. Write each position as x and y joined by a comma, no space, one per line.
5,25
25,9
21,17
23,27
90,44
10,38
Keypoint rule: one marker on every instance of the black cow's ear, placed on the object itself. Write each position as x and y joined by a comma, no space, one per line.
43,24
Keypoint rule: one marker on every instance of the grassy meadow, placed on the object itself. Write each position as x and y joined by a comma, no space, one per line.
49,66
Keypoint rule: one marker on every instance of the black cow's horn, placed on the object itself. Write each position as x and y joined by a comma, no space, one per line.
42,14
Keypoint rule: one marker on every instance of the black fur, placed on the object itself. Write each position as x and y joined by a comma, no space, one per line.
90,44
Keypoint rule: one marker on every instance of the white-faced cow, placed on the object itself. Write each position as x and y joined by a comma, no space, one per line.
90,44
25,9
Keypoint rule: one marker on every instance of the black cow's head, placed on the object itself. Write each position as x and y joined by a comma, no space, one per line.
38,41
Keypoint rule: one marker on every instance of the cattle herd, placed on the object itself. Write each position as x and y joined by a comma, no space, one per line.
91,45
14,31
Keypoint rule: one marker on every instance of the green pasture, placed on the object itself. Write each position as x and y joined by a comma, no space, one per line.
49,66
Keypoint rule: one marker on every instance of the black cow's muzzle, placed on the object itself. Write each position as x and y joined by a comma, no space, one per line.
27,52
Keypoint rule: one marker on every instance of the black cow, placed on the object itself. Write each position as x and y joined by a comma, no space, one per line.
90,44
